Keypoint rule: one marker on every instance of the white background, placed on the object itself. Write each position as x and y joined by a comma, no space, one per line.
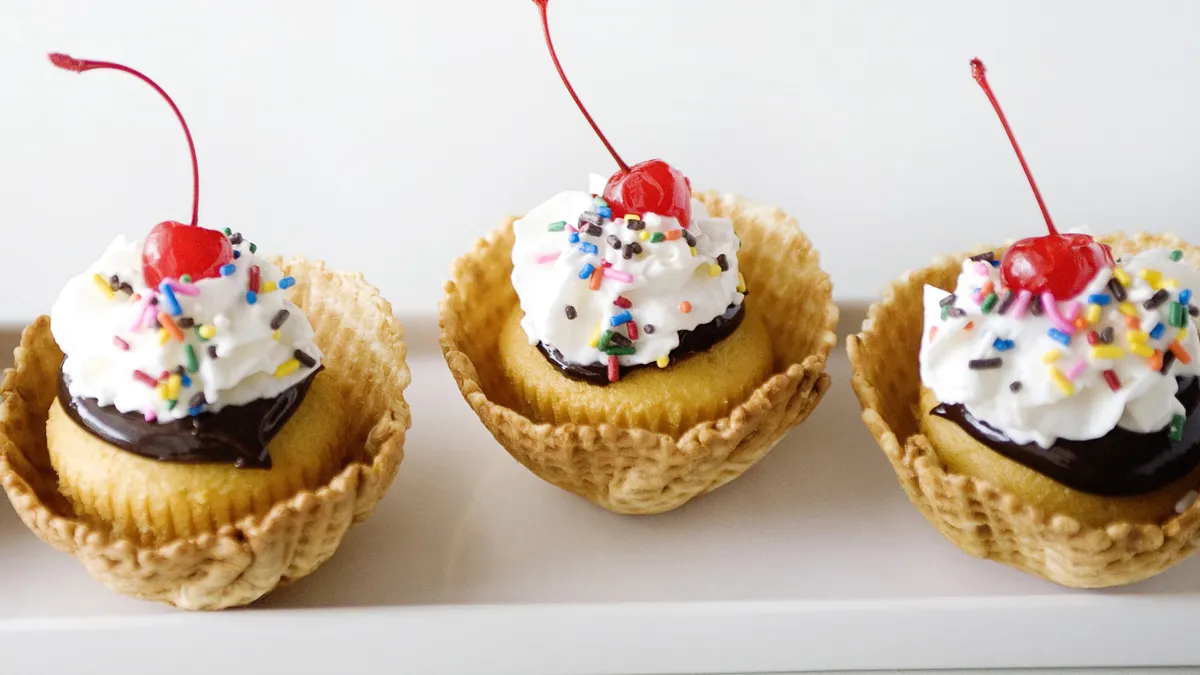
386,136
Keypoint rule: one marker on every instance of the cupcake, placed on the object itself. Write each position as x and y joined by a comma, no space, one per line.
636,344
1038,401
199,423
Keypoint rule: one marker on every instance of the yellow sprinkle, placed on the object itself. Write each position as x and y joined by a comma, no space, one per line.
663,361
207,331
1051,356
275,335
643,235
741,283
266,287
1137,337
631,216
1121,276
595,340
1151,276
163,336
1141,350
162,390
1127,309
1172,284
1093,314
693,250
1107,353
174,383
1062,382
1182,332
287,367
714,270
103,286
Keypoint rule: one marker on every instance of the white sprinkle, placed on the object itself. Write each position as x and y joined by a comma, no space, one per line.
1187,501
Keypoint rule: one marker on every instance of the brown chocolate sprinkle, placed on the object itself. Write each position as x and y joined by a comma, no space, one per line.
614,241
1009,298
1106,335
1035,307
1193,310
593,231
1015,387
637,248
648,329
588,218
689,238
723,262
985,364
635,224
621,340
987,256
1157,299
571,313
956,313
185,322
126,286
114,282
236,238
627,253
1168,361
304,359
948,300
197,400
212,351
280,317
1117,289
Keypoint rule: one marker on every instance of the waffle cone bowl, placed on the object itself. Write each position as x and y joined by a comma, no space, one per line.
635,470
240,562
979,517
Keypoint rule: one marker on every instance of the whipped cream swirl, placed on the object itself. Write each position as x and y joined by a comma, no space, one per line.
599,290
215,344
1075,368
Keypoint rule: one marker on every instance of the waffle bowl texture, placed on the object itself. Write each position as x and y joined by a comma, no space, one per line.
633,469
1021,527
236,563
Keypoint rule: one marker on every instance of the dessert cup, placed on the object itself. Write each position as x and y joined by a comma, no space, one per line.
660,455
996,509
204,564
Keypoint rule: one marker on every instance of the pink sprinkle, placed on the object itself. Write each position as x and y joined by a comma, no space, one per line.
150,416
978,297
183,289
140,321
605,263
121,344
1050,306
1022,304
547,257
983,269
618,275
571,228
1076,370
1072,312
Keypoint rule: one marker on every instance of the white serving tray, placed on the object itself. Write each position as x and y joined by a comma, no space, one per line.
812,560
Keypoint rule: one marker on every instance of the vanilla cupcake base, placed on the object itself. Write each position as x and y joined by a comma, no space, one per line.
989,509
233,564
701,386
632,469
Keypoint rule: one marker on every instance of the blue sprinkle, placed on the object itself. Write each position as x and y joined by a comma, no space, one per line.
196,411
169,299
588,247
185,381
1185,296
1059,336
587,270
1002,345
622,318
237,254
287,282
573,237
251,297
995,263
228,270
1158,331
1099,299
604,212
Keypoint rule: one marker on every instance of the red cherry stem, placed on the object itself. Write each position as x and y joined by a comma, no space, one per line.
979,72
81,66
554,56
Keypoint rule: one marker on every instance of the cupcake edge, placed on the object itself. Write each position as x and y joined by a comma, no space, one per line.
979,518
636,471
239,563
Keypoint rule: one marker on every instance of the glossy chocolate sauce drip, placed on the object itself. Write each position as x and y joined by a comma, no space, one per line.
698,339
1121,463
235,435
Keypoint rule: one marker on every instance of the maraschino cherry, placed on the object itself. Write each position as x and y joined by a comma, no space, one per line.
649,187
1062,264
172,249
